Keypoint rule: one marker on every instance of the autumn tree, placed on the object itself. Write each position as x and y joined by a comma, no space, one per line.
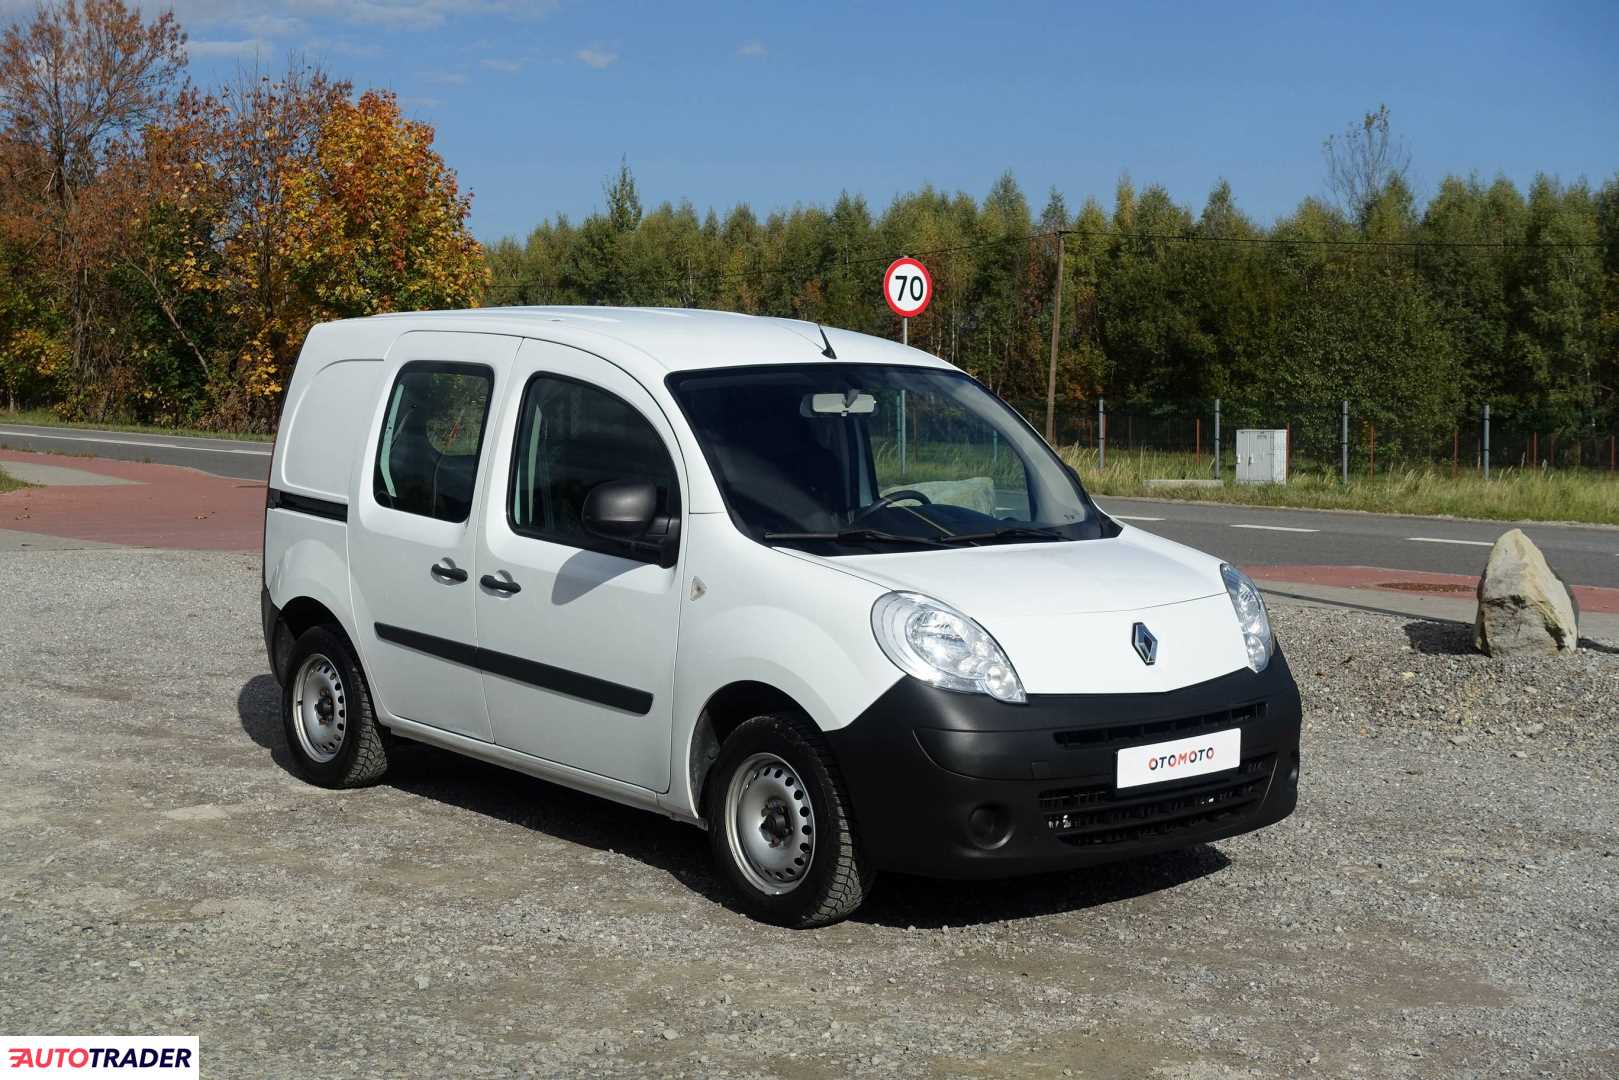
74,81
377,221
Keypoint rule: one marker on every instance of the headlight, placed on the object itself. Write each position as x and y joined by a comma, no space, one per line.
939,645
1250,609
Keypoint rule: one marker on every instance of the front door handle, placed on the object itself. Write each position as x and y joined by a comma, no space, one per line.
445,570
500,584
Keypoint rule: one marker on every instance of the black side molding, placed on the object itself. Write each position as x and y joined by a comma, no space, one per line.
456,652
560,680
305,504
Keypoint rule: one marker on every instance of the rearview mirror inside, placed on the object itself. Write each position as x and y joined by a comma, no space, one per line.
851,403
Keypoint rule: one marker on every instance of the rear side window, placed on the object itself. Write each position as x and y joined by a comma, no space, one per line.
432,433
570,437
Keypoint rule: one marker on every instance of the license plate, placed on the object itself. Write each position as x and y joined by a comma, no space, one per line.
1180,758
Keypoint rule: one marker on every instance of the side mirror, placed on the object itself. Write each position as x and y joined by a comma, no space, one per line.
620,509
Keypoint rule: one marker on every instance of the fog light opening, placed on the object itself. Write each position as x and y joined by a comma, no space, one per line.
989,826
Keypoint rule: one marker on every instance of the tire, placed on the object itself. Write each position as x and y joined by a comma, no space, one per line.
768,768
326,713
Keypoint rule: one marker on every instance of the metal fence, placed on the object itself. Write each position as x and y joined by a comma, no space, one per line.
1330,436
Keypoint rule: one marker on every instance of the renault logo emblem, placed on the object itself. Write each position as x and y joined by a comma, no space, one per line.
1146,645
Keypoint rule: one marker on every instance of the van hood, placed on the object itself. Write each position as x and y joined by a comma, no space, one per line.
1065,612
1128,572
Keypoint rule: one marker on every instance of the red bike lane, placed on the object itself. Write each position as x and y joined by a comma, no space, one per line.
156,506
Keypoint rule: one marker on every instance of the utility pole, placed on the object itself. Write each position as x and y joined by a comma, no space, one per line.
1101,433
1056,331
1344,445
1486,440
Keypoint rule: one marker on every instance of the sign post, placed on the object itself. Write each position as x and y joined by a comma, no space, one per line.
908,288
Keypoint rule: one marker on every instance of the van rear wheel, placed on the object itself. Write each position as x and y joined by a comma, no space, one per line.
780,825
326,713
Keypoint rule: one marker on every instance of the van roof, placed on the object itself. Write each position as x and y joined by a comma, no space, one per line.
657,340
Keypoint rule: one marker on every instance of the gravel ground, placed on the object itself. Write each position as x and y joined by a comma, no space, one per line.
1443,903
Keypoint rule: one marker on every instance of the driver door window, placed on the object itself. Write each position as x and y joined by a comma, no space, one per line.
572,436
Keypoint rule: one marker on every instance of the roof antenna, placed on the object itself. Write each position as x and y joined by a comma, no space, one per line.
826,352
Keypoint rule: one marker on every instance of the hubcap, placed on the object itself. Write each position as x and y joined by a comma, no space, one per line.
770,824
319,709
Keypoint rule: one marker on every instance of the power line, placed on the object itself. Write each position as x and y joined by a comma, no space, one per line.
1300,241
716,278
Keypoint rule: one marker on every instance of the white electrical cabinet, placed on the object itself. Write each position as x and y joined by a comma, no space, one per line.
1262,456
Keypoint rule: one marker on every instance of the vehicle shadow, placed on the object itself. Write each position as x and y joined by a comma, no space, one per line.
682,851
511,797
1436,637
904,901
258,706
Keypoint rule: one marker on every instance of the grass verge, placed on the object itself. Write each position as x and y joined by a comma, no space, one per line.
10,483
47,418
1509,495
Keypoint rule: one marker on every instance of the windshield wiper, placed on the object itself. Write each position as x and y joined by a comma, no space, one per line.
857,535
1007,532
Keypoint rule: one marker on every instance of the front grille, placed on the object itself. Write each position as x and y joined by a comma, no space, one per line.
1118,736
1100,814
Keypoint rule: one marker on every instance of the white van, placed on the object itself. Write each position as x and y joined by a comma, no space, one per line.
821,594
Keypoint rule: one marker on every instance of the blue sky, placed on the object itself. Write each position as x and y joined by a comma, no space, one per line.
775,104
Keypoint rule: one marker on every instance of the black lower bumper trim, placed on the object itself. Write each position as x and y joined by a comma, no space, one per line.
955,785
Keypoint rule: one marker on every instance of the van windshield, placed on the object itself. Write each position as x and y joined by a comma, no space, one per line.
850,458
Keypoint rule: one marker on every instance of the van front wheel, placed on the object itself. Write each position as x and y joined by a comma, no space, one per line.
780,825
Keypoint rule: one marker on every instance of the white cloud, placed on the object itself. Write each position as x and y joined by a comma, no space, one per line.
405,14
505,67
752,48
445,78
266,25
245,49
284,18
342,47
597,58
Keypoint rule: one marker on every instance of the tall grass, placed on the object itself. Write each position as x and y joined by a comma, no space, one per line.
48,418
1510,494
9,482
931,460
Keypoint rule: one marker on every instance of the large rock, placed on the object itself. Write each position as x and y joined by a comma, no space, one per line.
1524,609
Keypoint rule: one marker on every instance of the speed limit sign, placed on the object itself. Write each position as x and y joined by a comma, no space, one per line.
907,287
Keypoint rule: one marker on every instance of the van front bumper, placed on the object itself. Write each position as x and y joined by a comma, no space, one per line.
957,785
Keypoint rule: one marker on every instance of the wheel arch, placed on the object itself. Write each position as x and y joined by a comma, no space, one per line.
727,709
305,583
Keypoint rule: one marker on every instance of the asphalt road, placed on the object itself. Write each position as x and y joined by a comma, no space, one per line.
235,458
1250,536
1258,536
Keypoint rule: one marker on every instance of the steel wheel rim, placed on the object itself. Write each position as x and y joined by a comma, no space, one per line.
770,824
320,716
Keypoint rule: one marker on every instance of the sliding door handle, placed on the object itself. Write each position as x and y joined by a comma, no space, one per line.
500,584
447,571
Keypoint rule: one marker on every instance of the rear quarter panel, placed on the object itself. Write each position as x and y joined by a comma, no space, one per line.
317,449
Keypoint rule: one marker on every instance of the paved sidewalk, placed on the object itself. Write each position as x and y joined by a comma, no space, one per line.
32,472
1442,597
127,503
